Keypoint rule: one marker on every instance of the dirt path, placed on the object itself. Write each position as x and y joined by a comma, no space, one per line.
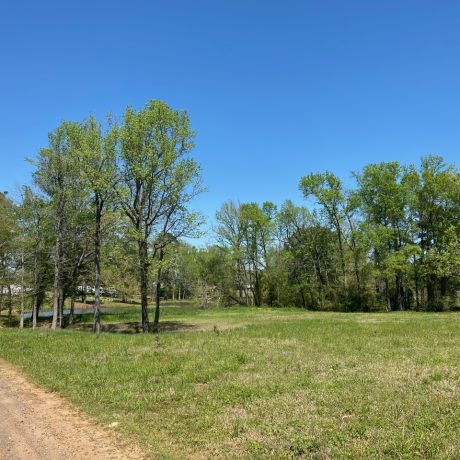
38,425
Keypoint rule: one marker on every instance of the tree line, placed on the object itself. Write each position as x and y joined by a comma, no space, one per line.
110,208
391,242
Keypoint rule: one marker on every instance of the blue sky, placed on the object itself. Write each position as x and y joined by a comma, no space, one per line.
274,89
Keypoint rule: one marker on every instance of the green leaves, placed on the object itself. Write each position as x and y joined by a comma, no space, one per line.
96,156
155,175
325,187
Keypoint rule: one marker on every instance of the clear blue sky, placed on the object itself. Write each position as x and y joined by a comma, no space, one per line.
275,89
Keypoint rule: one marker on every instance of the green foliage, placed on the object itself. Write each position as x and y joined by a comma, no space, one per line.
390,243
9,249
88,173
124,191
35,218
156,178
245,233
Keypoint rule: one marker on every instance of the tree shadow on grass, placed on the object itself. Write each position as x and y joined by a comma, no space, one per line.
135,327
83,322
5,321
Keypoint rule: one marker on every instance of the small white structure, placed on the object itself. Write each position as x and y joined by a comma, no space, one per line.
15,289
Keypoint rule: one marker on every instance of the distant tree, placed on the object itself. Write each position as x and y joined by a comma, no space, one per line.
246,232
327,189
310,255
434,218
229,233
384,203
258,232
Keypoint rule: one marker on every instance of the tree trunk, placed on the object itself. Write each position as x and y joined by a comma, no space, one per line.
257,293
1,297
399,291
56,284
58,265
10,305
72,306
83,295
387,294
357,276
302,295
417,288
36,293
97,265
430,291
144,282
444,285
61,307
21,322
158,294
38,300
342,255
35,312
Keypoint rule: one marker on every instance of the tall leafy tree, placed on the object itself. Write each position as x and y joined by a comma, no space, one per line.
384,195
96,157
9,251
58,176
310,254
258,232
327,189
37,228
229,233
435,208
246,231
157,181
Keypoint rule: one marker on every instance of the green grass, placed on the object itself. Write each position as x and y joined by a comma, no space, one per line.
286,384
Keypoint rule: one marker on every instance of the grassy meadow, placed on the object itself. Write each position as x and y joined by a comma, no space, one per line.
260,383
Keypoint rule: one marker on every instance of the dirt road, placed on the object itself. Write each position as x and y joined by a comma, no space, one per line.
36,424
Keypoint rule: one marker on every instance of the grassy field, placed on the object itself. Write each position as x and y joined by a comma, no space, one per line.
258,383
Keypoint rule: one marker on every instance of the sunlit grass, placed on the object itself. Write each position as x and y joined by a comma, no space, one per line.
280,383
